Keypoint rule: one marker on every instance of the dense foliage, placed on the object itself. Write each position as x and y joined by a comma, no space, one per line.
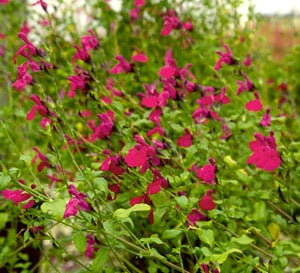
157,138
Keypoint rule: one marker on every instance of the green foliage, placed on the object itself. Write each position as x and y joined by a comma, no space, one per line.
126,169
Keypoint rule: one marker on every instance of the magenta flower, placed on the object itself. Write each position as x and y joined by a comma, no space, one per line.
266,119
246,85
185,140
264,152
206,202
170,22
225,58
112,163
4,1
136,157
89,42
104,129
248,60
19,196
140,57
207,173
122,66
77,202
39,107
254,105
43,4
43,160
91,249
221,97
167,71
194,216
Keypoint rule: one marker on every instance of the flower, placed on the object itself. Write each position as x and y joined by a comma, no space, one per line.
264,153
122,66
194,216
39,106
185,140
226,58
170,22
90,246
207,172
18,196
76,202
254,105
206,202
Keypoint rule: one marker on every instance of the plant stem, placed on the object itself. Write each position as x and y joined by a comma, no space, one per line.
147,254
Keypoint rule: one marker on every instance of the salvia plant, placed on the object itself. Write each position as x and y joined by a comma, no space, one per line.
156,138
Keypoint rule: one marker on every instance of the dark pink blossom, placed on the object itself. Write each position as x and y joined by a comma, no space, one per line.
254,105
205,267
79,81
170,22
104,129
167,71
39,107
139,56
154,187
136,157
89,42
4,1
77,202
112,163
221,97
19,196
248,60
139,3
246,85
207,173
206,202
225,58
266,119
43,4
194,216
43,160
186,139
91,249
121,66
264,152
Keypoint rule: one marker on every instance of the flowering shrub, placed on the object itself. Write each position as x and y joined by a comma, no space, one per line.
167,145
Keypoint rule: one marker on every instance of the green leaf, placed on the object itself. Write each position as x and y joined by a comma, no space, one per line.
101,184
153,239
206,236
171,233
221,258
124,213
80,241
182,201
243,240
3,219
4,180
56,208
100,260
259,211
27,159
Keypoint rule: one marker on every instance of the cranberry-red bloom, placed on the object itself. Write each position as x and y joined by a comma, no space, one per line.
136,157
206,202
18,196
254,105
264,152
266,119
207,172
185,140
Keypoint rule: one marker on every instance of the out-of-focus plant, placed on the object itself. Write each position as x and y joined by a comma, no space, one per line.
155,140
